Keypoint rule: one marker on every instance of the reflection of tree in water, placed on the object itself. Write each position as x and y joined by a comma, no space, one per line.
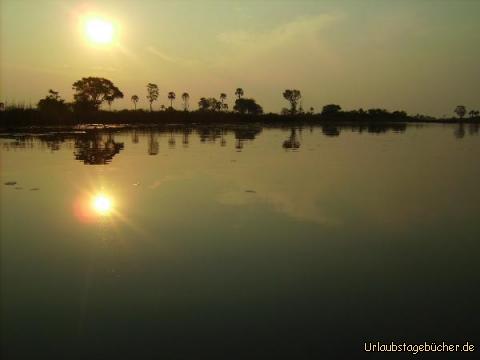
153,145
19,143
379,128
51,141
245,134
473,129
54,144
292,143
239,144
171,140
223,141
186,133
330,130
134,136
54,141
383,128
209,134
96,149
460,131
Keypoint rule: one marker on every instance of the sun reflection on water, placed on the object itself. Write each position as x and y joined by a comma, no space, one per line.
94,206
102,204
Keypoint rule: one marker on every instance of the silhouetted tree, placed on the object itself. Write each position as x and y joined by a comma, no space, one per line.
91,92
152,93
203,104
185,98
171,97
460,110
223,97
473,113
239,92
312,110
52,103
377,113
135,101
109,100
292,96
214,104
399,115
300,108
247,106
331,109
210,104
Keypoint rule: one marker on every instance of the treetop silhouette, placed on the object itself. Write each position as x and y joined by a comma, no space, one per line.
292,96
93,91
152,93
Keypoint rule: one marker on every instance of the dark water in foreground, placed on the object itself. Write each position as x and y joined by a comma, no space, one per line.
238,242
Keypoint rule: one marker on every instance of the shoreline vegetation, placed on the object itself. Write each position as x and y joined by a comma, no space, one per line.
92,92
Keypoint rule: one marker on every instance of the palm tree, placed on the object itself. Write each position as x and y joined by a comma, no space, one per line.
185,98
223,97
171,97
135,100
460,110
239,92
152,96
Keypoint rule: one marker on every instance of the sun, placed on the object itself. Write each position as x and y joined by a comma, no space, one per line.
99,31
102,204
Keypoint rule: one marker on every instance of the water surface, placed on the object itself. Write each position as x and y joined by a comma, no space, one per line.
241,240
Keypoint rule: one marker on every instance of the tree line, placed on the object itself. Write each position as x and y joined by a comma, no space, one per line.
91,92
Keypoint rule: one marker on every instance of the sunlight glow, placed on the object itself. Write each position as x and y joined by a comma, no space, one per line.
102,204
99,31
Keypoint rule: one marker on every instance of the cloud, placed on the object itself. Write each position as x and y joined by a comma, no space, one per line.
161,55
170,59
302,29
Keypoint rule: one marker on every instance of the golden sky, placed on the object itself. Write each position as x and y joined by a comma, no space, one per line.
419,56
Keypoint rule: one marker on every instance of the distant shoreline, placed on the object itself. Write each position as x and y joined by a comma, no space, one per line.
34,119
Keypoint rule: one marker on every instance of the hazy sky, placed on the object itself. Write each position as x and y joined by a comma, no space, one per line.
420,56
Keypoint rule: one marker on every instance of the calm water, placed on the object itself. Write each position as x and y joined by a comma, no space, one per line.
247,241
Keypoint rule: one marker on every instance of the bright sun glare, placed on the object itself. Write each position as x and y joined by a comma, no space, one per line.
99,31
102,204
